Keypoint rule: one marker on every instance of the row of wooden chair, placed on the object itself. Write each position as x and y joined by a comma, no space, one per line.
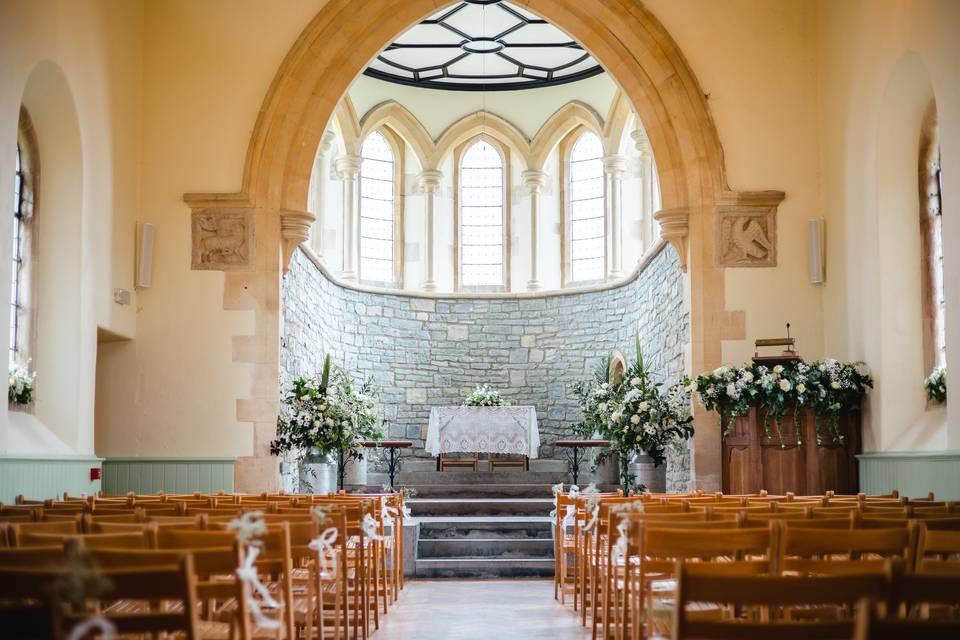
612,543
335,589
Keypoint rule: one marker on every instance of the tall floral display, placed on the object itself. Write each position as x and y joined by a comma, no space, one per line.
831,388
636,414
327,414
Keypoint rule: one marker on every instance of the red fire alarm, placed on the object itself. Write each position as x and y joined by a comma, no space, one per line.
95,473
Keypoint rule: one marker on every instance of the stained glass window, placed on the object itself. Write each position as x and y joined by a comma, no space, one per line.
377,210
20,206
587,235
481,216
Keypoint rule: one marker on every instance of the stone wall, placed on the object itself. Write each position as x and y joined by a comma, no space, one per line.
425,352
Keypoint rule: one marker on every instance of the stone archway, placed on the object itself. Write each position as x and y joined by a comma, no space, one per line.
335,46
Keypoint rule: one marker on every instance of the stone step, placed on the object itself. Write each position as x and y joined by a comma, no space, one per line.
481,490
485,527
483,568
501,476
480,507
513,548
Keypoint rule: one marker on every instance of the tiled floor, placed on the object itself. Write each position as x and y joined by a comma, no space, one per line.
480,609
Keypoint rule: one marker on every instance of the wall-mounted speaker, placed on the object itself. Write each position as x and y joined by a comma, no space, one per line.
144,256
816,243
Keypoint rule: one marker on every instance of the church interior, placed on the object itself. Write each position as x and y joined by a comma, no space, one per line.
470,318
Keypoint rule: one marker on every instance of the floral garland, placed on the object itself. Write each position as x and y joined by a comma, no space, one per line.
635,415
830,387
485,397
936,385
20,389
328,413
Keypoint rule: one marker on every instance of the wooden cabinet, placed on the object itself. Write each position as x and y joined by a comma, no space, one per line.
790,458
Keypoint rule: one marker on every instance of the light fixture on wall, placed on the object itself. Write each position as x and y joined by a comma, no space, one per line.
144,260
816,246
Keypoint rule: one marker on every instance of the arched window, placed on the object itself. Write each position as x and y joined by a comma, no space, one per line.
378,214
586,218
24,188
931,227
482,218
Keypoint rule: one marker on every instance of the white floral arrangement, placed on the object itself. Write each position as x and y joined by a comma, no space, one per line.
20,390
936,384
830,387
484,396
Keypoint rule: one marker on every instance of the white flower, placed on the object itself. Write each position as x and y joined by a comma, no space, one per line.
719,371
778,368
822,367
748,376
635,382
604,385
635,419
329,422
732,390
834,385
323,407
317,423
643,406
801,388
784,385
602,406
862,369
616,416
692,386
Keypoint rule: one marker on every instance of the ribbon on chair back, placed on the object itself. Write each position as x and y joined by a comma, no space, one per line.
250,528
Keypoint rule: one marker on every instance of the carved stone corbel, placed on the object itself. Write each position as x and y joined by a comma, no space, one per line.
675,228
294,230
747,228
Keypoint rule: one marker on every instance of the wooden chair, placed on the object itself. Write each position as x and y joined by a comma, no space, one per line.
765,602
937,550
17,531
139,540
470,461
813,551
497,460
870,626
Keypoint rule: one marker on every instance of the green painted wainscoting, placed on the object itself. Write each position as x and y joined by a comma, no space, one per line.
172,475
912,473
43,476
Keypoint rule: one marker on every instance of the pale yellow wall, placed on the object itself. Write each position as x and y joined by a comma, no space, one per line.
757,63
82,62
207,66
877,58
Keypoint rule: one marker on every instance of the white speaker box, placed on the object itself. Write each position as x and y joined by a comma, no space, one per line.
144,256
815,241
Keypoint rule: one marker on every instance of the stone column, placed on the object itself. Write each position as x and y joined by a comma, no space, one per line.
429,183
318,180
348,168
645,171
613,168
534,180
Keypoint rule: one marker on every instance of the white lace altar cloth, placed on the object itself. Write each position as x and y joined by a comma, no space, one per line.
483,430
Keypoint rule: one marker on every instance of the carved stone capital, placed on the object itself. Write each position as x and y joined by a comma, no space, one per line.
428,181
294,230
326,142
534,180
642,143
747,228
614,165
347,166
675,228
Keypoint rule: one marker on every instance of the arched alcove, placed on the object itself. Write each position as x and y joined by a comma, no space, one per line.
898,408
55,425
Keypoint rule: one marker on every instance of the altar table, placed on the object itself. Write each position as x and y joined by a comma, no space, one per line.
508,430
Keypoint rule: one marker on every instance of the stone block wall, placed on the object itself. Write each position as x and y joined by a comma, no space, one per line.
425,352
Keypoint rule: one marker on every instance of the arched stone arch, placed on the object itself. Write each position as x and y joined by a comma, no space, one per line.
347,126
405,124
481,123
618,117
563,121
637,52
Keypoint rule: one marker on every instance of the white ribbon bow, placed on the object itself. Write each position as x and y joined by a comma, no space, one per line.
619,550
323,545
250,527
369,526
98,623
